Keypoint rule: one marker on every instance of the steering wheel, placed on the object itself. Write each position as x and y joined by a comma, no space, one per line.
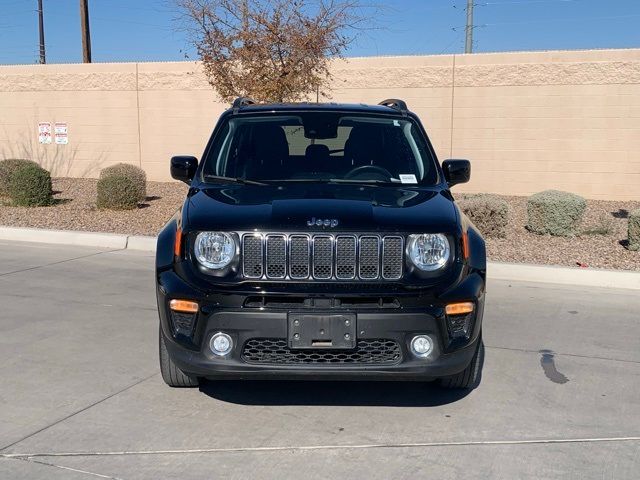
375,169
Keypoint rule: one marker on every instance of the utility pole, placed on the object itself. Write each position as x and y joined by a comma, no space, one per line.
468,43
86,35
43,58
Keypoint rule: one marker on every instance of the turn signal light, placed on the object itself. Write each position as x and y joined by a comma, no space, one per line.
465,245
184,306
177,246
459,308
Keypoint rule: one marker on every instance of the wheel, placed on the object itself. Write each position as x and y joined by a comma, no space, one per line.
172,375
470,376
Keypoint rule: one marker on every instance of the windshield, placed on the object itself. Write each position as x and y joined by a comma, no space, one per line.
321,146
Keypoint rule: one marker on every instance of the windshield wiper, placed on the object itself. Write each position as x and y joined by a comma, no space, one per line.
242,181
372,181
332,180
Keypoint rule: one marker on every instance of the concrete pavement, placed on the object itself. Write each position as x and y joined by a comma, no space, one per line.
81,395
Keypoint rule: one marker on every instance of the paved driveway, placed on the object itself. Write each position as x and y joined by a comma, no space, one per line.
81,396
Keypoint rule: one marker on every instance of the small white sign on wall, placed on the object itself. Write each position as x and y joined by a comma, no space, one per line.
44,132
61,133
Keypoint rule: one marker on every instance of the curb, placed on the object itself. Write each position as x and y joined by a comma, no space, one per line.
585,277
84,239
64,237
142,243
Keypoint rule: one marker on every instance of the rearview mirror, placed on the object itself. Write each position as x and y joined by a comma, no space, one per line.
183,168
456,171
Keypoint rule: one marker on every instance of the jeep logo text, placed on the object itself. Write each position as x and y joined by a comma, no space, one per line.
319,222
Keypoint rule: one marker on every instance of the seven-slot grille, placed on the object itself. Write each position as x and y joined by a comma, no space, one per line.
321,256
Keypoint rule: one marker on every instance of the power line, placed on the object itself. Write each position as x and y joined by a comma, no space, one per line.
518,2
561,20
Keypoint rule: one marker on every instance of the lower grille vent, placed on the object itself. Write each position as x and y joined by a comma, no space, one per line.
276,351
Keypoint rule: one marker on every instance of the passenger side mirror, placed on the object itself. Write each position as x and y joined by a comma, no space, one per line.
456,171
183,168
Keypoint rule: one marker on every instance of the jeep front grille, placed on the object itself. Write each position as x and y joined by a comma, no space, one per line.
277,256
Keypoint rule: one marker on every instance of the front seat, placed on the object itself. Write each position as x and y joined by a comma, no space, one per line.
364,146
268,153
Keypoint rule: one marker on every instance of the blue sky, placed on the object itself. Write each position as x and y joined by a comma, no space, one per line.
145,30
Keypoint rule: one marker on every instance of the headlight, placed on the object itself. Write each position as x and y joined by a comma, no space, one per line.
429,251
214,250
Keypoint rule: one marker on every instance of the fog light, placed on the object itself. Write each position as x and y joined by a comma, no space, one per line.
421,346
221,344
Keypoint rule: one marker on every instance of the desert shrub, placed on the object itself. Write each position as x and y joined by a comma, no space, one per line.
7,167
118,192
554,212
634,230
489,213
136,174
30,186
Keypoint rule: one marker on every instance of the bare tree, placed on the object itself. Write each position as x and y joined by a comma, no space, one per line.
270,50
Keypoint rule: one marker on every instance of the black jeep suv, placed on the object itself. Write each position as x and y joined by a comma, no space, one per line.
320,241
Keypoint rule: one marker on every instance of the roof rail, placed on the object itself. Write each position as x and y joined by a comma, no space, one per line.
396,104
240,102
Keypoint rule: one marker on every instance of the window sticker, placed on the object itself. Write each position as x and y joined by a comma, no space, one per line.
396,123
408,178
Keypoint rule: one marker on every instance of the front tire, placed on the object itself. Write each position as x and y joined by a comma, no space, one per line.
172,375
469,378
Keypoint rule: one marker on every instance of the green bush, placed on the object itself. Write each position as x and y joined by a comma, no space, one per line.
555,213
489,213
30,186
136,174
7,167
634,230
118,192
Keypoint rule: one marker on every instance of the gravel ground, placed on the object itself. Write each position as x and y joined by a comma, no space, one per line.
586,250
76,210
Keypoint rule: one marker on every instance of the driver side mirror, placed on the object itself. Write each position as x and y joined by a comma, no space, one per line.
184,168
456,171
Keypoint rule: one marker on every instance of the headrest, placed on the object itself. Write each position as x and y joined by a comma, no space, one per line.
317,152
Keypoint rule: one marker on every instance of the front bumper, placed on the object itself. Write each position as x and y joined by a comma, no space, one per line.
419,313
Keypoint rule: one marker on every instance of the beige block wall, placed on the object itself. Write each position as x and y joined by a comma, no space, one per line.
527,121
98,103
563,120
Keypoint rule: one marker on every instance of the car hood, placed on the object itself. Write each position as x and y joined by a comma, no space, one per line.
290,207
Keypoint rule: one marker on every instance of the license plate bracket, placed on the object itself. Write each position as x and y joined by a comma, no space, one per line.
323,331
